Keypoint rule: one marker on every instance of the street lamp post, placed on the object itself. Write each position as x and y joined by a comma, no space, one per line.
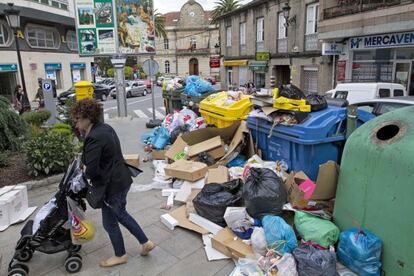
13,19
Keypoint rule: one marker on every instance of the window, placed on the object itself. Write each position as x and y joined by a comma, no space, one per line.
384,93
388,107
312,14
260,29
228,36
42,37
398,93
368,107
193,43
71,41
5,34
310,80
282,27
229,77
341,95
243,33
166,44
167,67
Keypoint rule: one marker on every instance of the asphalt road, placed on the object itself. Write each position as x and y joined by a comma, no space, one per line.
138,107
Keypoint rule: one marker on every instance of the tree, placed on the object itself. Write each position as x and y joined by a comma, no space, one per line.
159,22
104,63
224,6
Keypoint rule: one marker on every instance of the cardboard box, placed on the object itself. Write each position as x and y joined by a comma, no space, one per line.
158,154
230,245
217,175
237,136
213,147
132,159
180,215
186,170
326,184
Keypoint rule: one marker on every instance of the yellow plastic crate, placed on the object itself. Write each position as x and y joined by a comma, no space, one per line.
216,110
290,104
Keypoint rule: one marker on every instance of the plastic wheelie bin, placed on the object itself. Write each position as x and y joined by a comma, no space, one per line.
375,187
172,100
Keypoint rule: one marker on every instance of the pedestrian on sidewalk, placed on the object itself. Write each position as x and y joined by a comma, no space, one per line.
105,166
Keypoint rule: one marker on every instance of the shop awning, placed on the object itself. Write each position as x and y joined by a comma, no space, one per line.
8,67
258,66
236,62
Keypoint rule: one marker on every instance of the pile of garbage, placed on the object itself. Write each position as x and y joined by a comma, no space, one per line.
196,86
175,84
270,220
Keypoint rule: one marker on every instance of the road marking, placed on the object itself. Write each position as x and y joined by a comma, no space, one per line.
140,114
131,103
157,113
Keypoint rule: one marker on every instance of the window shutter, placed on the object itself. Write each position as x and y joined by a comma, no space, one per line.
282,28
310,20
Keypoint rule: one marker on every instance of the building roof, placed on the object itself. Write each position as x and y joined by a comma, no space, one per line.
243,8
172,18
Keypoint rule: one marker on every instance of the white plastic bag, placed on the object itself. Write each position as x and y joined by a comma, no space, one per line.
82,230
247,267
259,243
286,266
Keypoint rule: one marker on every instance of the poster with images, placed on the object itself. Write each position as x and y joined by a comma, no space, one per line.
104,15
87,41
95,27
136,31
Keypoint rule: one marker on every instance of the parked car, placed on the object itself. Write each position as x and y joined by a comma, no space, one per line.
132,89
358,92
381,106
100,92
148,84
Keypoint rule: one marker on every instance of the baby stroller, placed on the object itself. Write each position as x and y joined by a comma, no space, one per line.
47,232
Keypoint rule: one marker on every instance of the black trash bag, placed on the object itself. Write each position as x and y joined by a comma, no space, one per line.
291,92
213,199
264,193
177,131
206,158
315,262
316,102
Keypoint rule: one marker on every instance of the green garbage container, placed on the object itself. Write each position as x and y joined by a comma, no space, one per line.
193,102
376,186
172,100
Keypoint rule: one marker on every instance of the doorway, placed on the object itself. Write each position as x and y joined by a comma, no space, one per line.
193,66
8,82
282,74
403,75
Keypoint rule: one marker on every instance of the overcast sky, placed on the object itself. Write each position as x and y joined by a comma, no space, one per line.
165,6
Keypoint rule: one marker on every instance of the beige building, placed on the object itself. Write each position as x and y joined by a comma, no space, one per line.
257,44
190,42
377,38
48,46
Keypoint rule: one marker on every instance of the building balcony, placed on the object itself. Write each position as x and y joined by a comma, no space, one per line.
59,4
191,51
282,45
311,42
347,7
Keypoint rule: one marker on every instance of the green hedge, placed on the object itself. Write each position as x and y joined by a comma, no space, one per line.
4,159
36,118
49,153
12,127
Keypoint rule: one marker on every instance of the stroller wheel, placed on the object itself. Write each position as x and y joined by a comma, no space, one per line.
24,255
73,264
76,248
18,270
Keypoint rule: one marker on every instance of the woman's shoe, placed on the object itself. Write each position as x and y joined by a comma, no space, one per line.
113,261
147,247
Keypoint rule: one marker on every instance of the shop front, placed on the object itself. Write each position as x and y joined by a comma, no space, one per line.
259,69
383,58
77,71
54,72
236,71
8,79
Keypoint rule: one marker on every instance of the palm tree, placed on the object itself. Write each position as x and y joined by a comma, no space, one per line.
159,24
224,6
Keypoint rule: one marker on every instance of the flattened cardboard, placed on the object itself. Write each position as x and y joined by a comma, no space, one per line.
207,146
186,170
158,154
217,175
325,185
189,205
177,147
180,215
227,243
132,159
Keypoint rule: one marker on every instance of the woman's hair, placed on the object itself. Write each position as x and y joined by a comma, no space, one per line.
17,88
87,109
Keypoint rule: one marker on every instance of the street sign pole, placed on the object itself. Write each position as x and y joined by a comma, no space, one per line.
150,68
50,100
118,62
152,87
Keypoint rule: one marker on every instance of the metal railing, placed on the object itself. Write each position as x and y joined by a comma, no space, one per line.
311,42
347,7
193,51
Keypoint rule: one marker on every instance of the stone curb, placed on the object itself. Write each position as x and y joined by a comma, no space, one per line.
43,182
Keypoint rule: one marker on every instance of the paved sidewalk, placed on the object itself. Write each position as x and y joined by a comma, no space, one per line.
178,252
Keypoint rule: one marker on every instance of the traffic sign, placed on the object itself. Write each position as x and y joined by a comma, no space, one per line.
47,86
150,67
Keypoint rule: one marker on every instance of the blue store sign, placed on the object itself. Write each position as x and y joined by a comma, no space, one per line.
77,66
382,41
53,66
8,67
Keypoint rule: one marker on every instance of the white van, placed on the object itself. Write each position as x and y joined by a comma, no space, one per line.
358,92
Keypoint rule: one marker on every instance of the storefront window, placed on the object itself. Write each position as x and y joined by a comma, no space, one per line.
371,71
260,80
379,54
405,53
